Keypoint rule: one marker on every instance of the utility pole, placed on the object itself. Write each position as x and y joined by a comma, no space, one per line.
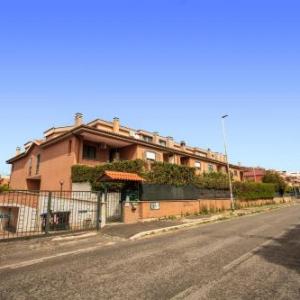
227,160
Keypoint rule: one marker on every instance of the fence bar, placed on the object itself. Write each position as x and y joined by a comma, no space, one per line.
98,211
48,216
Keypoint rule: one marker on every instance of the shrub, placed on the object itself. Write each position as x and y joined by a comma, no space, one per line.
160,173
4,188
277,180
253,191
81,173
214,180
166,173
204,210
171,174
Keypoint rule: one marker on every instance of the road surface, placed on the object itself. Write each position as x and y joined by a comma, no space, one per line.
254,257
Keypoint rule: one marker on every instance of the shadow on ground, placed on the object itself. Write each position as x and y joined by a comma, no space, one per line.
285,250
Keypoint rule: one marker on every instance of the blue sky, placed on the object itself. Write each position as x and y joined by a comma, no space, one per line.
170,66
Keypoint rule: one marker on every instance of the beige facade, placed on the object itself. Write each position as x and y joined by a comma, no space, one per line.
46,164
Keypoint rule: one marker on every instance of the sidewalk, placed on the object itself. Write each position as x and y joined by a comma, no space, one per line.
142,229
128,230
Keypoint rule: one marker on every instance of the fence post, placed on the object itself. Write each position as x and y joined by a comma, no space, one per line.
47,225
99,194
103,208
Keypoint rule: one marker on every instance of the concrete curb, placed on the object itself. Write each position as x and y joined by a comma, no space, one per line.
214,218
73,237
176,227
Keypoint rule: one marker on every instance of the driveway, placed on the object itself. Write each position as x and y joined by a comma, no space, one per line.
253,257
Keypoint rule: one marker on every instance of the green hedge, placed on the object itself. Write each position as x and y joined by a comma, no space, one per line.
166,173
253,191
171,174
161,173
81,173
277,180
214,180
4,188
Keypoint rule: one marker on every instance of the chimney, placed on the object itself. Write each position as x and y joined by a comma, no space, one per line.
116,125
182,145
18,151
170,142
209,154
155,137
78,119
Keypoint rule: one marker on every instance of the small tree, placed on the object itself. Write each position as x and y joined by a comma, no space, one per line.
277,180
4,188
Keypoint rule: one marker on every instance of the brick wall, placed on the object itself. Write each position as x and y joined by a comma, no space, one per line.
131,214
139,211
260,202
142,210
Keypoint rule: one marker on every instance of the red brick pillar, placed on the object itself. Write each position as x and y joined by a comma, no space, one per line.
131,212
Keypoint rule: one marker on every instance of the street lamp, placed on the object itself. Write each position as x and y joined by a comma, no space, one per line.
227,160
61,182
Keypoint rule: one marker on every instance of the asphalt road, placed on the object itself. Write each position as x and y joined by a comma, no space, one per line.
254,257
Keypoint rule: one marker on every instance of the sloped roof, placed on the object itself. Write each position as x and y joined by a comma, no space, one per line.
120,176
31,144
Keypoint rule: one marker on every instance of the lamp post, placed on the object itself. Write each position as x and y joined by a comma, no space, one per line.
61,182
227,160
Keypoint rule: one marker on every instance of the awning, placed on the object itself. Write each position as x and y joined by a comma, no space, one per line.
120,176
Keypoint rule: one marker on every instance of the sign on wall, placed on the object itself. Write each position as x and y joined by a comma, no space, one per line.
150,155
154,205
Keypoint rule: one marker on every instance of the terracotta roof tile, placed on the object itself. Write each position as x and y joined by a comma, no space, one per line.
121,176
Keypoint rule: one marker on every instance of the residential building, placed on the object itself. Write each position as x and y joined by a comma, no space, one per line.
291,178
4,180
46,164
254,174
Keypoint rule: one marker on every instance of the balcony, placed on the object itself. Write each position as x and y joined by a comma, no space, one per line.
95,149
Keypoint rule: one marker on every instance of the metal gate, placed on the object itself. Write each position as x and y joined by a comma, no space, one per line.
113,207
34,213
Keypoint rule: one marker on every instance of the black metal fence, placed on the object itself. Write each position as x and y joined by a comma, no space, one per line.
156,192
30,213
295,192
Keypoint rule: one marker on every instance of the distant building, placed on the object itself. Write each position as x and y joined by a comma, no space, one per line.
254,174
291,178
4,180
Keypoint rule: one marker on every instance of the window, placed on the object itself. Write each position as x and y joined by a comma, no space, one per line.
211,167
150,155
235,173
184,161
70,147
89,152
30,166
163,143
197,164
147,138
38,160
